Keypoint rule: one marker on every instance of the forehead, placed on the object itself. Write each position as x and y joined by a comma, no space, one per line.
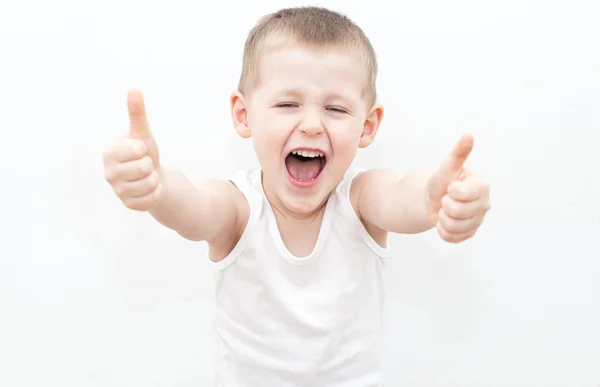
333,70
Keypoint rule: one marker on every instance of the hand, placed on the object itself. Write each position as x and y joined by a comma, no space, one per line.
131,163
457,198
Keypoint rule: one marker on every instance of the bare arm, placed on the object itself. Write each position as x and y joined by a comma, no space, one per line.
451,198
214,211
207,212
393,204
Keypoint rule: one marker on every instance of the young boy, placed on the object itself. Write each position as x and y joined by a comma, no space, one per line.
298,245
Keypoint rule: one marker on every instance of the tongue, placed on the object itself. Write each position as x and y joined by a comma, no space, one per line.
303,170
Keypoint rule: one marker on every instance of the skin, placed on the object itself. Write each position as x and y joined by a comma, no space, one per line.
304,98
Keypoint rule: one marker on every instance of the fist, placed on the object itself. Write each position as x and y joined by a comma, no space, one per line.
458,199
131,163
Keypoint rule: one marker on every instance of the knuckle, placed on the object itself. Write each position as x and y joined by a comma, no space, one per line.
109,174
153,181
452,238
113,149
445,235
450,224
156,194
144,190
445,201
145,166
119,190
485,187
449,237
133,204
106,156
150,200
128,202
142,203
452,208
487,205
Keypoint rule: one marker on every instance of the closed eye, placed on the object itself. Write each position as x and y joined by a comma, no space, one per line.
337,110
331,108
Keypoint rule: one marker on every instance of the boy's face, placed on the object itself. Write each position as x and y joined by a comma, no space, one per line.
307,116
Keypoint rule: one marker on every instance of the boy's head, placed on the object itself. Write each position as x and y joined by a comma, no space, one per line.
306,96
315,28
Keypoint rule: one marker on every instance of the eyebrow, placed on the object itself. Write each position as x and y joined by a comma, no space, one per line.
339,96
297,92
291,92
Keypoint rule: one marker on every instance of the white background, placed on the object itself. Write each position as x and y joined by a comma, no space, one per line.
92,294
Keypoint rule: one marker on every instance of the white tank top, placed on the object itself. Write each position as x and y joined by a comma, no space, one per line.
315,321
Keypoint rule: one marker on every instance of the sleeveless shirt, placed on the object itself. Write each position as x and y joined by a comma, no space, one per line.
287,321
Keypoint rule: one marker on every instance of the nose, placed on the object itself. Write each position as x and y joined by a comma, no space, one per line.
311,125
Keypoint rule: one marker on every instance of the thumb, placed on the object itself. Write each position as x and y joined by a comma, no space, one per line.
139,126
451,168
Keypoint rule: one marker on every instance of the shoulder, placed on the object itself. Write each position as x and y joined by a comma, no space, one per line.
239,190
360,184
365,182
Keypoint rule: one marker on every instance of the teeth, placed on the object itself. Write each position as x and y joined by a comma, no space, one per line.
306,153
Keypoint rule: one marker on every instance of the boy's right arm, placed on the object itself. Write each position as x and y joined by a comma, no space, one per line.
214,212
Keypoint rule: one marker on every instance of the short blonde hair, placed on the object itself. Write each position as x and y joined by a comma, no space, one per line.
315,27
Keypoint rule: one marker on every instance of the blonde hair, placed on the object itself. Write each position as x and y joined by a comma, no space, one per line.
315,27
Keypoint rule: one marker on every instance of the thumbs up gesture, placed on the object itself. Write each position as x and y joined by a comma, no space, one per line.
131,163
458,199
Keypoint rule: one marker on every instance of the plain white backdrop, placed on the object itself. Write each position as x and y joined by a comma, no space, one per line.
95,295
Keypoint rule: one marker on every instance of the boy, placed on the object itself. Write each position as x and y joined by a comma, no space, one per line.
298,245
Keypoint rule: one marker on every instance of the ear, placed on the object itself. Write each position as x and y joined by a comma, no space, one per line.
239,114
371,125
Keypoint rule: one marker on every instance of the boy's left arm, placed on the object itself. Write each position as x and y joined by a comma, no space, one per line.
452,199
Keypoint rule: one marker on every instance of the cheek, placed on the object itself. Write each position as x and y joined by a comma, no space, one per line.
264,144
345,137
268,134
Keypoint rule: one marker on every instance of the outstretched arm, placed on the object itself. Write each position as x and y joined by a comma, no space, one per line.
452,199
212,211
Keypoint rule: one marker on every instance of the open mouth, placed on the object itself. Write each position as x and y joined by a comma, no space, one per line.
305,166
